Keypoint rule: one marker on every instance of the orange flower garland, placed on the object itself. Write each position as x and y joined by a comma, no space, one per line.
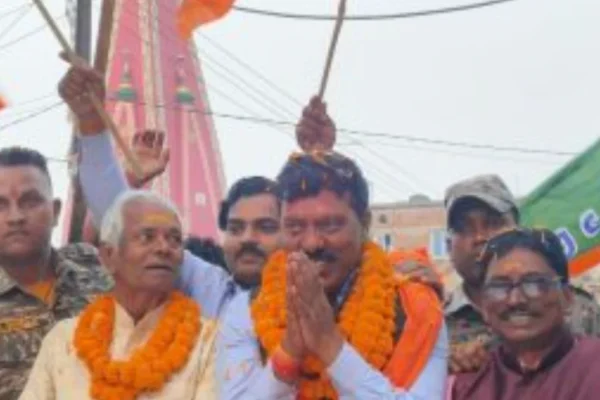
165,353
367,319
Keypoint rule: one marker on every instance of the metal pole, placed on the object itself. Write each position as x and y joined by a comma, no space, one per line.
83,29
83,48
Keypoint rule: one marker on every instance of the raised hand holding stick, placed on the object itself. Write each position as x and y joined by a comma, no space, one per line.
96,102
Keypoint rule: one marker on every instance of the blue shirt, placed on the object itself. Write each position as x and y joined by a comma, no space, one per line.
241,374
102,181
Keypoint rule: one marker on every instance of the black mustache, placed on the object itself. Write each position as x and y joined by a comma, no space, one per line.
250,248
322,255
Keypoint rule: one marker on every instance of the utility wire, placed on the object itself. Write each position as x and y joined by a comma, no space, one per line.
157,27
399,168
379,17
31,115
259,120
249,68
287,122
524,150
15,21
492,156
408,138
12,11
30,101
26,35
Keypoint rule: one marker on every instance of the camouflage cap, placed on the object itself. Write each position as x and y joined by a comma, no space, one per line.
490,189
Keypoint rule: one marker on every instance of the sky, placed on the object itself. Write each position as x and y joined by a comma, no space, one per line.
522,74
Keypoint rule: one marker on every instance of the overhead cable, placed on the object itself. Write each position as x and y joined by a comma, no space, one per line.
374,17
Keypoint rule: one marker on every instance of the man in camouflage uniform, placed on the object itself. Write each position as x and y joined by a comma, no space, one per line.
478,209
39,285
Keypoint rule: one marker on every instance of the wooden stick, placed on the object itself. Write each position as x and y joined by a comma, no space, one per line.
332,47
98,105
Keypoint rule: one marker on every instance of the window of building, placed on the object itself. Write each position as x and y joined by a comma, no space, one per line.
438,246
385,241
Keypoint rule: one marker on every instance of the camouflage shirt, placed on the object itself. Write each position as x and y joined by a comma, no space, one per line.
25,320
465,323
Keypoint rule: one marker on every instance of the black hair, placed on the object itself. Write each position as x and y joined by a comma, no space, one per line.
243,188
206,249
17,156
541,241
306,175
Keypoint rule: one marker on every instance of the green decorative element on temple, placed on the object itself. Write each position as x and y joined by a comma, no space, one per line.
126,92
183,94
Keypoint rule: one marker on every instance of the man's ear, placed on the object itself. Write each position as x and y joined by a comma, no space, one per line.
107,253
366,223
56,208
484,314
569,298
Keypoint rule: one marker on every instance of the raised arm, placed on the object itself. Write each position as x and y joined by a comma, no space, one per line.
241,374
103,180
100,174
99,163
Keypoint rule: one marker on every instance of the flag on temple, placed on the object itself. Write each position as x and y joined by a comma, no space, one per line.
3,103
193,13
569,204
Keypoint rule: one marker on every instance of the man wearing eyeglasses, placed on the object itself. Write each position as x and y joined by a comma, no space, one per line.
524,297
478,209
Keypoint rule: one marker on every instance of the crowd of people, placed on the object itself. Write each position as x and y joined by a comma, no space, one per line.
296,302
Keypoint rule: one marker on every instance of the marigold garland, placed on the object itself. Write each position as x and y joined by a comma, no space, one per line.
367,319
149,368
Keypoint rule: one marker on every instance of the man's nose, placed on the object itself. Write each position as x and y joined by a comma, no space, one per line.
515,296
311,241
15,215
249,235
164,246
482,235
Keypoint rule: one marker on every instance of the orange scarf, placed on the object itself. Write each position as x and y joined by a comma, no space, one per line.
424,318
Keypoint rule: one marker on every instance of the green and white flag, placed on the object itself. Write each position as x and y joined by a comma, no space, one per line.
569,204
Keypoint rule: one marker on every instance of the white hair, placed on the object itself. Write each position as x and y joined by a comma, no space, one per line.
111,230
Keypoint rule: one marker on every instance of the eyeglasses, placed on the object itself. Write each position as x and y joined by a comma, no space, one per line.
531,287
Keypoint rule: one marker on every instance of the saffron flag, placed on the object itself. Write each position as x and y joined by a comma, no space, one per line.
2,103
569,204
193,13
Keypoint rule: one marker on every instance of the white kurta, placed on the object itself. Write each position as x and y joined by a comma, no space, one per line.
58,374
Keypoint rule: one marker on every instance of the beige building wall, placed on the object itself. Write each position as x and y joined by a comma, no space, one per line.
418,222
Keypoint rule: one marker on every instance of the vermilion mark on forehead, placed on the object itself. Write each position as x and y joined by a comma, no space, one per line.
512,266
159,218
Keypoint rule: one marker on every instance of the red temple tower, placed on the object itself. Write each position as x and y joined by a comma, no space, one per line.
154,81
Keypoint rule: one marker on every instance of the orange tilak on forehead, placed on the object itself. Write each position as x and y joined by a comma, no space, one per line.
511,267
159,218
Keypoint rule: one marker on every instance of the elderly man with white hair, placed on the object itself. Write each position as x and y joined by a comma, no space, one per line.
144,339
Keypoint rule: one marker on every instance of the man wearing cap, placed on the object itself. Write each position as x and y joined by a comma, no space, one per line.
478,209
